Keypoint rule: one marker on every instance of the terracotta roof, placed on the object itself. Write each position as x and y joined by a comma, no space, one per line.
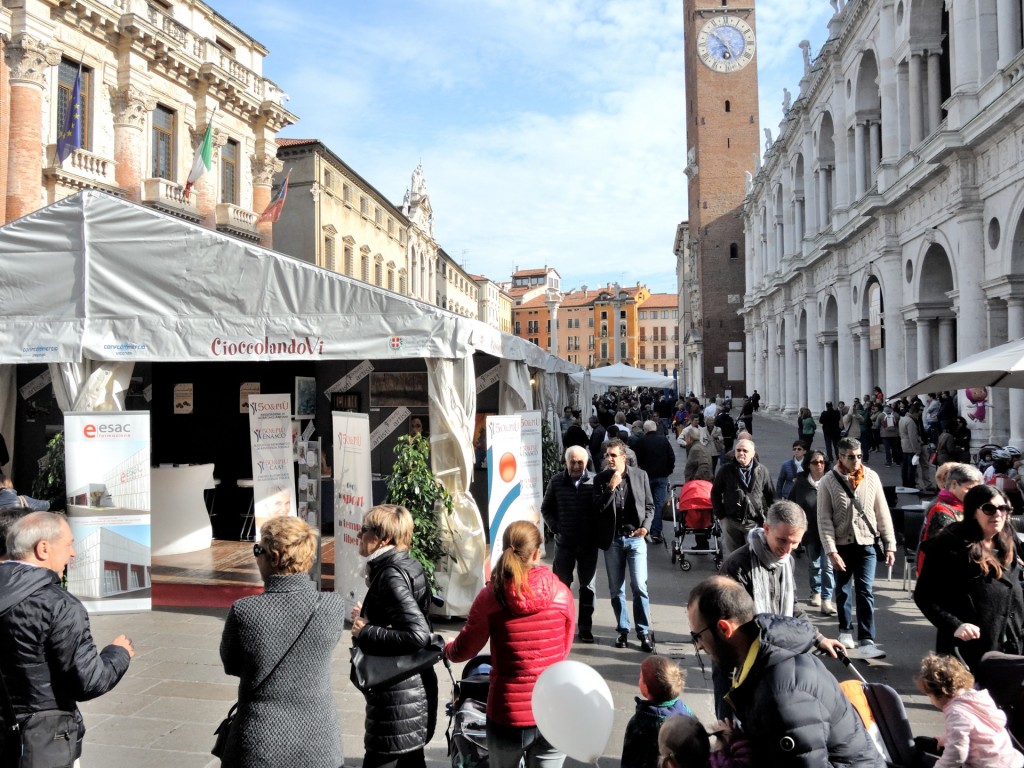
295,142
666,300
534,272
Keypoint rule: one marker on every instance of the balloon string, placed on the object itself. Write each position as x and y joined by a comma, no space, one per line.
597,762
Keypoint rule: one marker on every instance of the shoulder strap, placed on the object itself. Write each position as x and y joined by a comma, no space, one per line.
296,640
11,600
856,502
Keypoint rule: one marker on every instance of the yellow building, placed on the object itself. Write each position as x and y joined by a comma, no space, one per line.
658,317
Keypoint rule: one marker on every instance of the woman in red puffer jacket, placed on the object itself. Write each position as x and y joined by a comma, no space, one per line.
529,616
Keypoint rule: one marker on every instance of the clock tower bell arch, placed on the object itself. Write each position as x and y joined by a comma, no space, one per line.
722,135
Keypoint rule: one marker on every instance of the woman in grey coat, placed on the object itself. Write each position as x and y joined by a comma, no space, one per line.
292,718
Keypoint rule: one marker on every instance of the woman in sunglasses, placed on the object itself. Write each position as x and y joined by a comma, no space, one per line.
970,586
280,644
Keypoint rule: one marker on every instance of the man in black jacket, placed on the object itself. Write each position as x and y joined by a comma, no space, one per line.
568,510
625,507
656,456
741,494
792,709
47,655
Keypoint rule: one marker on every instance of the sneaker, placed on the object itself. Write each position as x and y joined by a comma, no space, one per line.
647,642
868,650
586,636
815,600
622,641
846,638
657,538
827,609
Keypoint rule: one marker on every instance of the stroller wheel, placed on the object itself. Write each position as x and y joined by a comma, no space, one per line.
685,565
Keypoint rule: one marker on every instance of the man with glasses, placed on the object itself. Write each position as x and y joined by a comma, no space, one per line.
852,516
625,508
741,493
792,709
568,510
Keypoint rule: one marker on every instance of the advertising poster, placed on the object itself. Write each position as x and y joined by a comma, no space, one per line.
106,464
353,497
273,470
514,476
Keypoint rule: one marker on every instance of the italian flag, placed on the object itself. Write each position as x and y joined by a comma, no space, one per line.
203,160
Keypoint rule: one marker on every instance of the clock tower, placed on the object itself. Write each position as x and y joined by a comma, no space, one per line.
723,143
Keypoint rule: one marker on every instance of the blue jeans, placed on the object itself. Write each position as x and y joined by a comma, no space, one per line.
819,570
860,569
628,551
582,557
510,747
659,490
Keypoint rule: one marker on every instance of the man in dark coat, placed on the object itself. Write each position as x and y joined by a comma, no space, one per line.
831,429
47,655
568,510
792,709
741,494
656,456
597,438
625,508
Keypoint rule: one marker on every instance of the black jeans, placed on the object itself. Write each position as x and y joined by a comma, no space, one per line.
412,759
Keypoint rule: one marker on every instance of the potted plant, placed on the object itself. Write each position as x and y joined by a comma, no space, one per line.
49,483
413,485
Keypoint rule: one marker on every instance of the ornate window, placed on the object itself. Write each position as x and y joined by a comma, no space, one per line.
229,172
164,139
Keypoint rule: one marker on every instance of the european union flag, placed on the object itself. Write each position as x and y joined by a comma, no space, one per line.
70,136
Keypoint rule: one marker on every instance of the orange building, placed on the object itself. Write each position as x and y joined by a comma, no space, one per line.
659,333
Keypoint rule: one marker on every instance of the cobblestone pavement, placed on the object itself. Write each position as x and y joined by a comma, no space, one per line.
163,713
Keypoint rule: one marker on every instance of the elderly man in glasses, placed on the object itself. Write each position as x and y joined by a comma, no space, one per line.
856,528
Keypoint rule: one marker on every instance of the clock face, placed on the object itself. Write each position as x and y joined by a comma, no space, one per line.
725,44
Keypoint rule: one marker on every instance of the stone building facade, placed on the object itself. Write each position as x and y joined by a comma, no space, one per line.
658,322
457,290
885,230
155,73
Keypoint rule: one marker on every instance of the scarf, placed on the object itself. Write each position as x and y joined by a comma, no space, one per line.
855,478
377,553
765,568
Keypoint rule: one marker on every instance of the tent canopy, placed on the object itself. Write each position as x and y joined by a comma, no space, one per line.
1001,366
622,375
97,277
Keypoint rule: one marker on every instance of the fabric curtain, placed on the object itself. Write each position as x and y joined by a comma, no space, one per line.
452,393
515,394
8,404
91,385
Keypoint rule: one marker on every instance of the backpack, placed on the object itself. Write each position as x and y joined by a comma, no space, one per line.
890,421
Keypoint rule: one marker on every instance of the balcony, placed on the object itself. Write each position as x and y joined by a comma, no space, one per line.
168,196
240,222
82,170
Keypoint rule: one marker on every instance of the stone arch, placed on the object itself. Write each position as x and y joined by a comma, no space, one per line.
935,275
825,163
799,198
829,337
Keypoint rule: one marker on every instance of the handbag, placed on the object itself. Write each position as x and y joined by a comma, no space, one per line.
878,543
372,673
224,728
44,739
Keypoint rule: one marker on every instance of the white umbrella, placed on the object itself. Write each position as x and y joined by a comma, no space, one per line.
621,375
1001,366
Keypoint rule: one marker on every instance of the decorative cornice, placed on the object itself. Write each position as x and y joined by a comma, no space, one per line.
263,169
131,106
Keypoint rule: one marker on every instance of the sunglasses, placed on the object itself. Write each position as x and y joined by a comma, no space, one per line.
613,455
991,509
365,529
258,550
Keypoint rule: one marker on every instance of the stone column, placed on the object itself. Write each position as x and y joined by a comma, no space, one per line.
916,107
801,373
867,375
970,298
924,347
789,352
28,60
780,242
963,48
810,192
859,162
771,392
823,198
934,91
815,401
1008,13
749,356
875,148
844,342
947,344
1015,330
263,169
553,299
798,225
828,354
887,82
131,107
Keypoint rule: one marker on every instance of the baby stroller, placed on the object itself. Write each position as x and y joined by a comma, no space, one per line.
1002,674
467,715
692,514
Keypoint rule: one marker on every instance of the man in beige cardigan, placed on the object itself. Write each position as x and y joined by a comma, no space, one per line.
852,514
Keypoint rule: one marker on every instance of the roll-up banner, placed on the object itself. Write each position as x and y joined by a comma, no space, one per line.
353,497
106,465
273,468
514,475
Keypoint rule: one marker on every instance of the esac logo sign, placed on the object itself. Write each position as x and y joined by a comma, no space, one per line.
107,430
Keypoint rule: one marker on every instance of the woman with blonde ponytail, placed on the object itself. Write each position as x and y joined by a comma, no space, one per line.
529,617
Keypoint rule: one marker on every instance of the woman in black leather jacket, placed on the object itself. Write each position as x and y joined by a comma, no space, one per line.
392,620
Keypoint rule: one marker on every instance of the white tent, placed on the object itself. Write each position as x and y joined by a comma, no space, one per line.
93,284
622,375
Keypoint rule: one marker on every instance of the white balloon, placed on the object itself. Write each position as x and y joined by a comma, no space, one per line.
573,708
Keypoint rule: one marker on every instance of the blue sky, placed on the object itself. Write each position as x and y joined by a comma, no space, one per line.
550,131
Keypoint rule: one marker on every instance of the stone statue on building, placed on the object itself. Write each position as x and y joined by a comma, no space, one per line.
749,182
786,98
805,48
767,139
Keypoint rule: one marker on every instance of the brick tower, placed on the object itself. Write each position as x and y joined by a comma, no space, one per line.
722,143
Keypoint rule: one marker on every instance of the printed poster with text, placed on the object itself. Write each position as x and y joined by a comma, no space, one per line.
353,496
106,468
273,469
514,474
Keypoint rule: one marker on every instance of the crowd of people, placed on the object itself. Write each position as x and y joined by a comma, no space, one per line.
775,701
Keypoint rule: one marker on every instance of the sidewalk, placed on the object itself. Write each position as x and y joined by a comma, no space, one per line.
165,710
